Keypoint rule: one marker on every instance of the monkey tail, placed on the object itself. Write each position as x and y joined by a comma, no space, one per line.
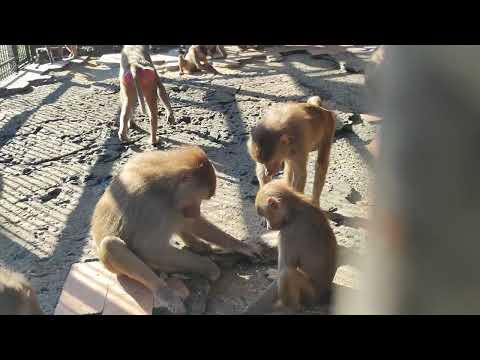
133,70
315,100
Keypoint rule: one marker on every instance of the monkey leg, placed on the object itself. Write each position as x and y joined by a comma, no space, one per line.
151,99
321,168
131,123
173,260
181,64
222,51
265,303
162,93
288,171
119,259
127,97
262,178
294,288
195,244
209,68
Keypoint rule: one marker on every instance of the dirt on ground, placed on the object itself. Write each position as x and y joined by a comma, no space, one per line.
59,149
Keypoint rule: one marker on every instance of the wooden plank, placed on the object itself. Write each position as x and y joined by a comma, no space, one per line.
128,297
85,290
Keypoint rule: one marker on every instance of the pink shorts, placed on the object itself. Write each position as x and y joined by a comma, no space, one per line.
145,76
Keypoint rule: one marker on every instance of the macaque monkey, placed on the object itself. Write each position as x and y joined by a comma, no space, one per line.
139,79
17,297
287,134
196,60
155,195
307,250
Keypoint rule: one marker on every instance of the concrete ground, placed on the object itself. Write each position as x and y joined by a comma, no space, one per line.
59,149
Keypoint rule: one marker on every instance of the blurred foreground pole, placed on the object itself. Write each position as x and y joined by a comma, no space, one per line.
424,250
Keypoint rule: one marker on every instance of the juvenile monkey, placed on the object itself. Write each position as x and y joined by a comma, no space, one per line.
17,297
196,60
139,79
307,250
155,195
287,134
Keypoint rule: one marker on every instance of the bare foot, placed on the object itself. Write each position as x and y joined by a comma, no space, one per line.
123,137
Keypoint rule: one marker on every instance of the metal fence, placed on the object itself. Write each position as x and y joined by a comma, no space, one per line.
13,58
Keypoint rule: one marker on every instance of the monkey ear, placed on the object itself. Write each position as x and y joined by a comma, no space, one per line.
273,203
286,139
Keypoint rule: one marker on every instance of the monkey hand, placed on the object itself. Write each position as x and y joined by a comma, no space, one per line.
167,301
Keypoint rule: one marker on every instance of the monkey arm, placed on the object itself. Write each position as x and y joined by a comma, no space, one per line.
288,171
222,50
262,178
300,173
204,229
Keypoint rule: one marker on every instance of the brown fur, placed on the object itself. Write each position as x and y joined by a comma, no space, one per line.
17,297
287,134
134,57
307,250
155,195
217,49
196,60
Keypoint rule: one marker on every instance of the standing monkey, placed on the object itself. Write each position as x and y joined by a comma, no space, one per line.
287,134
155,195
139,79
307,250
196,60
17,297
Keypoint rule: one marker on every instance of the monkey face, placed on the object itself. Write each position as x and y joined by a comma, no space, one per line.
269,149
272,168
272,209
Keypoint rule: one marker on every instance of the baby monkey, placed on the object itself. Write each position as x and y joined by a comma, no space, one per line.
139,80
17,297
196,59
287,134
307,250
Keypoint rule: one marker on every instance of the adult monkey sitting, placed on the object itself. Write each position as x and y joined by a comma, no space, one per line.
158,194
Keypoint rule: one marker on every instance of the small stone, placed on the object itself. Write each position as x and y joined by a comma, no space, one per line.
354,196
185,119
52,194
271,274
355,118
27,171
